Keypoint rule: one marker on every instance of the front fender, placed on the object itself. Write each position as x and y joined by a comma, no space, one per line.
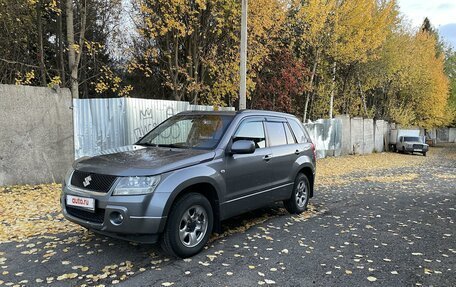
177,181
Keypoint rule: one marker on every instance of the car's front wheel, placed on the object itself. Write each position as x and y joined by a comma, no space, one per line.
300,195
189,226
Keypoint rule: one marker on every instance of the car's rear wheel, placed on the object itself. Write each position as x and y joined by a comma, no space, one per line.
189,226
300,195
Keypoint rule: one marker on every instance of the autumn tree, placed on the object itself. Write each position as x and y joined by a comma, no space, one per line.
280,83
450,71
310,24
195,45
34,46
24,46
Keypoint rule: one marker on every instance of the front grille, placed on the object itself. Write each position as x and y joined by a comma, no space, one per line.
97,216
418,146
92,181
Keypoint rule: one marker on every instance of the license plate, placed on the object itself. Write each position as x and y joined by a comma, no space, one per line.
82,202
417,149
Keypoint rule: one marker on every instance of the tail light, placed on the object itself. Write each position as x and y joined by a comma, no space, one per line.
314,150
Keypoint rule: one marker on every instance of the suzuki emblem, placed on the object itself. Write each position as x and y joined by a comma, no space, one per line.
87,180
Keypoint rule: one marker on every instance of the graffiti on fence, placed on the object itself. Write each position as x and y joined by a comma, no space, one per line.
149,118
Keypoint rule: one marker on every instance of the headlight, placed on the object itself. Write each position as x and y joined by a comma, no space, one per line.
67,178
135,185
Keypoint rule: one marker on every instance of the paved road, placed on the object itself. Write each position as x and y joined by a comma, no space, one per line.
390,228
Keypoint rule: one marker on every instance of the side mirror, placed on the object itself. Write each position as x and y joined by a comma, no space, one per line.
243,147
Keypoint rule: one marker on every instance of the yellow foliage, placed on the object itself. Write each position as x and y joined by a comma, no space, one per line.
420,87
25,79
360,28
55,81
109,81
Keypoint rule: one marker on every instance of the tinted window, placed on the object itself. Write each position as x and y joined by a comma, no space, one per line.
290,138
276,133
298,131
252,131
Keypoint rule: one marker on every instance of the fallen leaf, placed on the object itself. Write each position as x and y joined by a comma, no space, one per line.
67,276
371,278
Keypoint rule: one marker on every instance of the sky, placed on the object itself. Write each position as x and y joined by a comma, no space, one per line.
441,13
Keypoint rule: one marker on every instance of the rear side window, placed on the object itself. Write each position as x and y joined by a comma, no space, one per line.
298,131
276,133
290,138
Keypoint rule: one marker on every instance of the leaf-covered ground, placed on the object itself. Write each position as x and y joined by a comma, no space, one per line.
383,219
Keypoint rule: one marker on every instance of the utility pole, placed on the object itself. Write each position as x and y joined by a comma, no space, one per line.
243,68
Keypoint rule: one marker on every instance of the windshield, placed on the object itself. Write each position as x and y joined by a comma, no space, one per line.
188,131
412,139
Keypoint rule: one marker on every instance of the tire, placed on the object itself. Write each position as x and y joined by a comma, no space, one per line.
424,153
299,196
189,226
403,150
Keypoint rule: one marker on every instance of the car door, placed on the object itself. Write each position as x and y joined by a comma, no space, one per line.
247,175
283,158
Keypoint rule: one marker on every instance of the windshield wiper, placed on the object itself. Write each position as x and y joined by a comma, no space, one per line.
145,144
171,145
162,145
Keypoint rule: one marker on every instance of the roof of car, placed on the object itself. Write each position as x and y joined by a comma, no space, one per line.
233,113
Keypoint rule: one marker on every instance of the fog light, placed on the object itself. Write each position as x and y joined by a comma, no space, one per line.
116,218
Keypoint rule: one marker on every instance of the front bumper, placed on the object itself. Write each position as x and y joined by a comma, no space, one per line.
412,149
142,219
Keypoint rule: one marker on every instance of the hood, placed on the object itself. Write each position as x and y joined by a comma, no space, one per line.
142,161
415,142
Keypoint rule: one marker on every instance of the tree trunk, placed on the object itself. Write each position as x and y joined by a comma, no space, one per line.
73,57
312,77
363,98
331,102
40,44
60,35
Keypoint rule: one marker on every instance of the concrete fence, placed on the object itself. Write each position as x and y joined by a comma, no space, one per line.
344,135
36,134
446,135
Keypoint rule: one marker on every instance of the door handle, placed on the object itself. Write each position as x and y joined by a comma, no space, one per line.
267,157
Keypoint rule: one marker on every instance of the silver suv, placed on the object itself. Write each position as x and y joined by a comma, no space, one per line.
194,170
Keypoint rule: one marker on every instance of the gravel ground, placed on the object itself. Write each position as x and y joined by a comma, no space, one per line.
387,225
